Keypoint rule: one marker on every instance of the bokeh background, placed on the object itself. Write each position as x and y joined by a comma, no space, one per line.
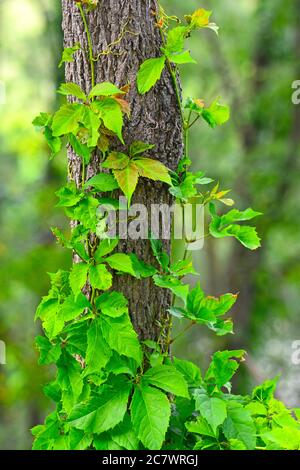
251,66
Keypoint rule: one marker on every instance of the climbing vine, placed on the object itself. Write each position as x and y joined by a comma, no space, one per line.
113,391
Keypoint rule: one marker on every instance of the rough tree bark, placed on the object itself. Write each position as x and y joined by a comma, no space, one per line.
155,118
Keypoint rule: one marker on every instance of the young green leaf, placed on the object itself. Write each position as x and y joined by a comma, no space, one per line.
105,247
91,122
111,114
78,277
120,262
105,89
223,366
68,54
182,58
100,277
66,119
127,179
102,182
172,283
149,73
72,89
216,114
175,40
81,149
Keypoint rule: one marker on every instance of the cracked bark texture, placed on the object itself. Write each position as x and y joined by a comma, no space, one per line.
155,118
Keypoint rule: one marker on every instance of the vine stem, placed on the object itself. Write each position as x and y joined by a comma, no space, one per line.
90,44
188,327
83,173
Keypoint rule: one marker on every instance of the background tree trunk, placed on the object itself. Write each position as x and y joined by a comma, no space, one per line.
155,119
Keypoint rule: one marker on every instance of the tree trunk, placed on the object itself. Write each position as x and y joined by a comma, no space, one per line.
155,119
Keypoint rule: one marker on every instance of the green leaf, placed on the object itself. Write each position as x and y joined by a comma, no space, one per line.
172,283
239,425
216,114
68,195
189,370
121,337
140,268
116,161
120,262
224,226
72,308
123,434
200,427
98,352
282,438
81,149
127,179
149,73
213,409
70,380
79,440
91,122
161,256
86,212
100,277
153,169
72,89
265,392
49,353
42,120
78,277
68,53
105,89
150,414
113,304
181,268
46,434
53,322
223,366
105,247
138,147
103,411
199,19
168,378
102,182
111,114
182,58
66,119
53,142
175,39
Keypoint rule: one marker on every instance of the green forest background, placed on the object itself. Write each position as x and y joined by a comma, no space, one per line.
251,66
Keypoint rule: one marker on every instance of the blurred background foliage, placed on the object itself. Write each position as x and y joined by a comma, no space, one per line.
251,66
